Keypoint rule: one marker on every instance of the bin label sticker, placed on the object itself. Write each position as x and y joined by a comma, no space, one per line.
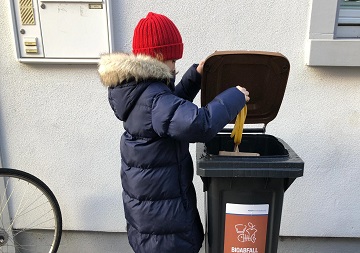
245,228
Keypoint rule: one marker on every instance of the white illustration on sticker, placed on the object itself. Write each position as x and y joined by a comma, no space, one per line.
246,232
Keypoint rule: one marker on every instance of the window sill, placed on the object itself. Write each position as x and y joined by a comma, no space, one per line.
333,52
322,48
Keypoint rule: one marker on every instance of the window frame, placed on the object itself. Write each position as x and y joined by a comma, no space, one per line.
323,49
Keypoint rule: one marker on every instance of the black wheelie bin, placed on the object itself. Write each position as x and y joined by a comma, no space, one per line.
244,194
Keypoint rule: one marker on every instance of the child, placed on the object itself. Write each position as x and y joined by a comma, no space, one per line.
160,121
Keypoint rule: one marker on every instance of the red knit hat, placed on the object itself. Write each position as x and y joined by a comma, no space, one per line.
157,35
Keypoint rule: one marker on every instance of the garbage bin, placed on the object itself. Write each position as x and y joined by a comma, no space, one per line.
244,194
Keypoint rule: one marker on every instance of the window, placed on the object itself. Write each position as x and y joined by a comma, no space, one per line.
348,19
329,43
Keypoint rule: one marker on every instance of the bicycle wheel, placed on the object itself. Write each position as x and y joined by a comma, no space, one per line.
30,216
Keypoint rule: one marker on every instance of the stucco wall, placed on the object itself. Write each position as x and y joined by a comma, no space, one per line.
56,123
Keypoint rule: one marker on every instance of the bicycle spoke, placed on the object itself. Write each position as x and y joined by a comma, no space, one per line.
34,222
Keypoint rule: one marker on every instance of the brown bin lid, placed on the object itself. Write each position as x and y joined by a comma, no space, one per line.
263,74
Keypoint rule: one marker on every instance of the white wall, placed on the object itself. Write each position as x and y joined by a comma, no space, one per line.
56,123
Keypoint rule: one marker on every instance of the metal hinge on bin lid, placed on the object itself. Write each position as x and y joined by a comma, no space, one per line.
263,74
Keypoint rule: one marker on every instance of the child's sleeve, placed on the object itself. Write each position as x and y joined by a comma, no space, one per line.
189,85
182,120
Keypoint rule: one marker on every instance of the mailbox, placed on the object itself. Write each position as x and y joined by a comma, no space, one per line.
69,31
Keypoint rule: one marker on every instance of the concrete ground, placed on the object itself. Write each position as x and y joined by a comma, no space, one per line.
104,242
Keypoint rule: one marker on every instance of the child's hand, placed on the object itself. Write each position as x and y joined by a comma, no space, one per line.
246,93
200,67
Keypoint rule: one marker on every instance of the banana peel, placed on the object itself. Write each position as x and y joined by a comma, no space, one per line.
237,135
238,128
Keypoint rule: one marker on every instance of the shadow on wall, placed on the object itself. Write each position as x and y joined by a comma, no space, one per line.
97,212
3,149
122,39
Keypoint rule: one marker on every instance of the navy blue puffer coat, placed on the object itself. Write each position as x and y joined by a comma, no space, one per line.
160,121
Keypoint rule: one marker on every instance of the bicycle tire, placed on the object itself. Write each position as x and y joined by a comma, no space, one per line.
28,213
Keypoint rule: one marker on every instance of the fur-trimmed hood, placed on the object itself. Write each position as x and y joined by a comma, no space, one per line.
118,67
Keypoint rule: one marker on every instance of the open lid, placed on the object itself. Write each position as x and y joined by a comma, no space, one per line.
263,74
